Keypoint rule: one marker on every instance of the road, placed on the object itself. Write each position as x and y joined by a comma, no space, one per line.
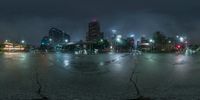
58,76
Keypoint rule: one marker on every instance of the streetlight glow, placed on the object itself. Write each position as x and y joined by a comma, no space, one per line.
132,35
66,40
118,39
22,41
50,39
151,41
181,39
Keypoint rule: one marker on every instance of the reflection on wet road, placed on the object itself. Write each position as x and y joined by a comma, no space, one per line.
59,76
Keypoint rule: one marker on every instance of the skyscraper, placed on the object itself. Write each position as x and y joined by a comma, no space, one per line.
55,39
94,33
57,36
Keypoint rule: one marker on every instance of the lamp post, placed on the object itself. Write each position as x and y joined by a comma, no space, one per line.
118,41
22,42
114,44
183,41
151,43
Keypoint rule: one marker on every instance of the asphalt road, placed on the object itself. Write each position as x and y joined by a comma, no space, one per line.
58,76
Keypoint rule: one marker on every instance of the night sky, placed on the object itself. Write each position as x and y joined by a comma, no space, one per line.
31,19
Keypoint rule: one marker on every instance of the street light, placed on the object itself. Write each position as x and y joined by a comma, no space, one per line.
111,47
50,40
101,40
151,41
181,39
22,41
118,39
66,40
132,35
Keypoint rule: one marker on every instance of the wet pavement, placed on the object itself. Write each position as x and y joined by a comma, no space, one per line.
58,76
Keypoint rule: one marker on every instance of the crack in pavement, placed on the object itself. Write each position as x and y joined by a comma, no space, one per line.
135,82
39,90
140,97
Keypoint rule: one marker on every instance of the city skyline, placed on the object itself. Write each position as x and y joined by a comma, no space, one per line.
31,20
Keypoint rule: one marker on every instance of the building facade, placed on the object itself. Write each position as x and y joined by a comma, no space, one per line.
58,37
94,32
11,46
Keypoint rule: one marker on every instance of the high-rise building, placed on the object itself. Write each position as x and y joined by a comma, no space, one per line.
58,37
45,41
55,39
94,33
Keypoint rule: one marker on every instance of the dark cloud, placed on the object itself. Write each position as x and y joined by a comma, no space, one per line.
31,19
